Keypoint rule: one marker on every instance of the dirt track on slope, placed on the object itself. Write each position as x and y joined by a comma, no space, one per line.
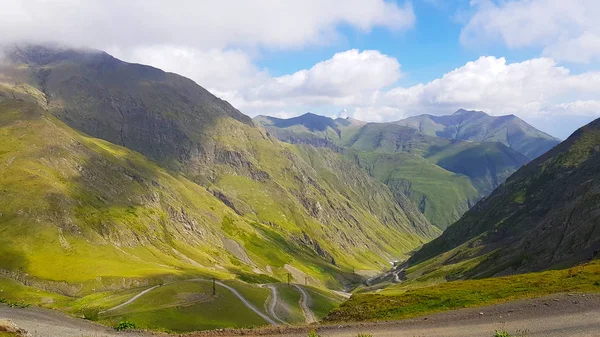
562,315
574,315
310,317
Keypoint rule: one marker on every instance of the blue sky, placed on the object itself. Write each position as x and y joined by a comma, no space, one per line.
377,60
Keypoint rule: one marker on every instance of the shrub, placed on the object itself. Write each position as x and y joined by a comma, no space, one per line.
364,335
503,333
313,333
125,325
597,283
90,313
14,304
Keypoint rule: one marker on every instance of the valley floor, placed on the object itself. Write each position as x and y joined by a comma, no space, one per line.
552,316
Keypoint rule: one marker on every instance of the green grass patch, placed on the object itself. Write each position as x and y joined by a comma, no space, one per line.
188,306
398,302
289,308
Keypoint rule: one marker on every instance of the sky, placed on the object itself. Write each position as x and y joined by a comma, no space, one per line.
374,60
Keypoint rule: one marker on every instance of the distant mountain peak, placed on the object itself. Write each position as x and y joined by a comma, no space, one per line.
469,112
43,54
479,126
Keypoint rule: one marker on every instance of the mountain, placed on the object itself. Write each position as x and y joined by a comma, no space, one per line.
121,175
480,127
444,177
546,215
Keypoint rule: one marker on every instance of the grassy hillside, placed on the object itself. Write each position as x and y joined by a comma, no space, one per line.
545,215
88,197
486,164
440,195
413,299
193,189
480,127
413,164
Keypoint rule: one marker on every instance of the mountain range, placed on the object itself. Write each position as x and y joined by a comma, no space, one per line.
546,215
117,173
118,177
443,172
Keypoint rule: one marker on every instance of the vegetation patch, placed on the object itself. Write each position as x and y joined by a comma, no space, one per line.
398,302
125,325
14,304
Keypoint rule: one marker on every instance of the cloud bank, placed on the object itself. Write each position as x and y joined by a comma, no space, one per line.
217,44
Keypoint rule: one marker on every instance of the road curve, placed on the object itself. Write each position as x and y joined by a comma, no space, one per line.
232,290
573,315
130,300
245,301
273,303
310,317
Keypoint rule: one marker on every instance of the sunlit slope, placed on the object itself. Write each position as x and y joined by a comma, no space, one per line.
232,201
480,127
442,177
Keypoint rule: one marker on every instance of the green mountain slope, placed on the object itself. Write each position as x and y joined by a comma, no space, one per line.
481,127
545,215
120,174
443,177
439,194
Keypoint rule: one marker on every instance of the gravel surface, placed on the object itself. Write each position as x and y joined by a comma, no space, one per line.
562,315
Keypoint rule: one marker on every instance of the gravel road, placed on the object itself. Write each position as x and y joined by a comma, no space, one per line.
576,315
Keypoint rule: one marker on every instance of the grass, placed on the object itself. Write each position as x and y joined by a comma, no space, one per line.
441,195
188,306
125,325
322,301
12,291
12,304
397,302
288,308
106,217
504,333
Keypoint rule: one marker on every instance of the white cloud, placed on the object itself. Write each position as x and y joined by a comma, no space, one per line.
589,108
493,85
566,30
345,74
195,24
218,70
535,90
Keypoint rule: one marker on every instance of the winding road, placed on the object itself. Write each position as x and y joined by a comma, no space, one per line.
130,300
244,300
310,317
273,304
232,290
573,315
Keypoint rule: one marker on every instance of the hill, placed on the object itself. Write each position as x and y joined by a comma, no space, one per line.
480,127
121,175
443,177
546,215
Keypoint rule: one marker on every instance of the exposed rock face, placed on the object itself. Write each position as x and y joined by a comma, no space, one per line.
546,214
146,169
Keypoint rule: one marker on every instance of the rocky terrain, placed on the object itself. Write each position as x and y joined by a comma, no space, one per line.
123,174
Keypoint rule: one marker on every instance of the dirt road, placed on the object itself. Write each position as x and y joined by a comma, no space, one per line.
310,317
272,304
573,315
